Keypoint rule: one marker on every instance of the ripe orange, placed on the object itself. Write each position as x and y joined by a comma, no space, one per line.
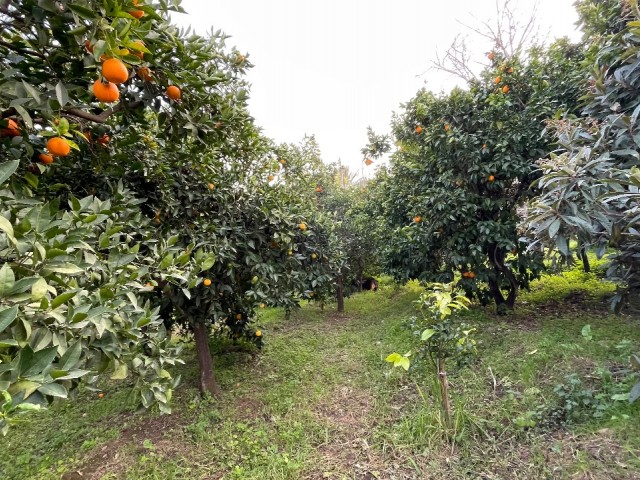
368,162
258,333
302,226
419,129
58,146
271,177
136,14
491,56
114,71
471,275
238,316
497,80
417,219
206,282
211,186
491,178
282,161
510,70
46,158
318,189
11,130
447,127
173,92
484,146
505,89
465,274
104,139
145,74
101,395
105,92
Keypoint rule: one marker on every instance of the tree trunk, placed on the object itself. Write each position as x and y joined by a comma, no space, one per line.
340,293
287,314
496,258
444,392
207,377
586,266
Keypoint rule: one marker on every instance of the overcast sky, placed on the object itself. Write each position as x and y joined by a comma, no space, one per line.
333,67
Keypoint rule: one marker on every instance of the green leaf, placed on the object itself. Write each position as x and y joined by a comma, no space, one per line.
39,289
586,332
53,390
7,169
120,373
7,316
62,95
7,279
62,298
5,226
427,334
70,358
82,12
40,361
399,360
208,262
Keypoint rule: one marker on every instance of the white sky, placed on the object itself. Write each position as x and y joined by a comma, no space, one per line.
333,67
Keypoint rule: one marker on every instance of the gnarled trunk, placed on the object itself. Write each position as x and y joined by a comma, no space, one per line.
207,383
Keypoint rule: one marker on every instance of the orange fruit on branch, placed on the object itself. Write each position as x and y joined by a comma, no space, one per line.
206,282
105,92
491,56
145,74
302,226
11,130
419,129
211,186
173,92
368,162
417,219
136,13
46,158
497,80
58,146
258,333
238,316
505,89
491,178
114,71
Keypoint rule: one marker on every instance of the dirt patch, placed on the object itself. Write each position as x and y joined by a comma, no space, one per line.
349,449
114,456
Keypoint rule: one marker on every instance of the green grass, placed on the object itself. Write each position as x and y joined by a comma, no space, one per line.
321,402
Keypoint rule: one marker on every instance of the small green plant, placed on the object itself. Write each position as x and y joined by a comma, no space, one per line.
442,337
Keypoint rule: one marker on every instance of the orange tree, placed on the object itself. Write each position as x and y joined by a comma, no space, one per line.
463,167
132,198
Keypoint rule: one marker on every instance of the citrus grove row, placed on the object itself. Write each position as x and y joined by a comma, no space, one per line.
139,202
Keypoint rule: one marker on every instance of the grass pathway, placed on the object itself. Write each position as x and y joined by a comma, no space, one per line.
318,403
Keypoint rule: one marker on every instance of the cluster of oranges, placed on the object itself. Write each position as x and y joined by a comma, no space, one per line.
499,79
469,275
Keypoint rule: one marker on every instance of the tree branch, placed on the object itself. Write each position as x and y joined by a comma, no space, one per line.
24,51
102,117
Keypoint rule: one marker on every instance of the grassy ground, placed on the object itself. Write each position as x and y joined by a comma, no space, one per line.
320,402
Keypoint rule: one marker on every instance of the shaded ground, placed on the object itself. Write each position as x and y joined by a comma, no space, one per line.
321,403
